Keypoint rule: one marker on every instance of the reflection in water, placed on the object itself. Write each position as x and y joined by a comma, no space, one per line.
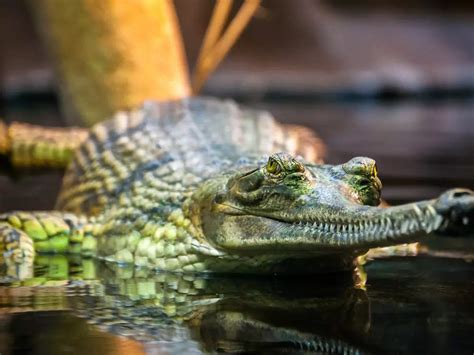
182,313
417,304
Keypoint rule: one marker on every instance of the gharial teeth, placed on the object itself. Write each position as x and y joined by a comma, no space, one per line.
373,227
382,225
430,209
418,212
379,226
404,226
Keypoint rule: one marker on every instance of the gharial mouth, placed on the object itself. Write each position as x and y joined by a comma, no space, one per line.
237,211
319,227
371,226
342,220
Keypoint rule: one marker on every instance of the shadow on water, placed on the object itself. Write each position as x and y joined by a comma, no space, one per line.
416,305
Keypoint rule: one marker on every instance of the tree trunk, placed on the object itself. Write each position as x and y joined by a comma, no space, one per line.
112,55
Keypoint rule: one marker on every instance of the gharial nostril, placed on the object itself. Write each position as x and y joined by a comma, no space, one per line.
457,193
455,198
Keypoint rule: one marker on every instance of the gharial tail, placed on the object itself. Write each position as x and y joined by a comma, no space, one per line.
31,146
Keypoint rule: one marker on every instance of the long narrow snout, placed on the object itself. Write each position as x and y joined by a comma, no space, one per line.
359,227
367,227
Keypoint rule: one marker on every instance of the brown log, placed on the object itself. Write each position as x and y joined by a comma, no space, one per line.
112,55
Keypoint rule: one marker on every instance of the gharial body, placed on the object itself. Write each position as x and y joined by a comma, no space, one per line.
200,185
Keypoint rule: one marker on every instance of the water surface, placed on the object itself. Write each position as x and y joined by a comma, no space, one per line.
410,305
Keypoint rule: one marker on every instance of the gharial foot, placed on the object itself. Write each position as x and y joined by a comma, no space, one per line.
24,233
17,246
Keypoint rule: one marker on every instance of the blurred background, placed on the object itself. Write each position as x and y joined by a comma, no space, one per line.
392,80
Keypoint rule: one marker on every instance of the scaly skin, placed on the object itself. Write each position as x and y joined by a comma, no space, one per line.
30,146
196,185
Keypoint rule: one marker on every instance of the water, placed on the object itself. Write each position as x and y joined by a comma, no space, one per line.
410,305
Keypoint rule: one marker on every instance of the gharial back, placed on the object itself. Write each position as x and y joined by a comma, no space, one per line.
180,142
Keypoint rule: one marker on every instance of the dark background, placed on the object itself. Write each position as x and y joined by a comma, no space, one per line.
393,80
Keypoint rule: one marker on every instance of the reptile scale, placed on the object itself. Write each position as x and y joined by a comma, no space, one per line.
203,185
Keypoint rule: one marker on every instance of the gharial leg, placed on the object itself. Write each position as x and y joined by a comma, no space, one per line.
22,234
30,146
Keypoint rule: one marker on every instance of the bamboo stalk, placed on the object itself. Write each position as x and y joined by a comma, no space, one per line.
215,55
214,30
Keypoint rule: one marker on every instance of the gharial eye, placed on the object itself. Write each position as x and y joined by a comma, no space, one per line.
273,167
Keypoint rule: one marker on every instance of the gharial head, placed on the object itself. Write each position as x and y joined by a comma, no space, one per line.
288,205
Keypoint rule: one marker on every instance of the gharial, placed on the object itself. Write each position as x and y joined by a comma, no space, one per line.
201,185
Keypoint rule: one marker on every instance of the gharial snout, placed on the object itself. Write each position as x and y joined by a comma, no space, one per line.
457,208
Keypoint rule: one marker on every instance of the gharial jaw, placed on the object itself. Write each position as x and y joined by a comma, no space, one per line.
290,209
342,229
